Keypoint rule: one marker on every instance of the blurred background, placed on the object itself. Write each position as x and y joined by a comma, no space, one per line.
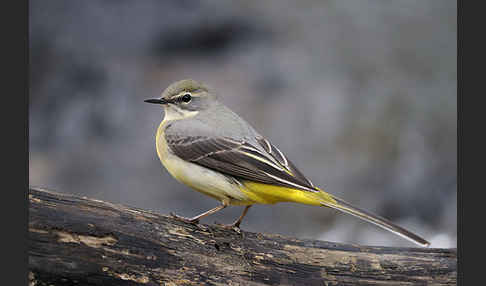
360,95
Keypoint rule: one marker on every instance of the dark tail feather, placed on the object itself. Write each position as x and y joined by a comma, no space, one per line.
379,221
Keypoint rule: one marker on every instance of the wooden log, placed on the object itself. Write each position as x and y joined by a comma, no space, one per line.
81,241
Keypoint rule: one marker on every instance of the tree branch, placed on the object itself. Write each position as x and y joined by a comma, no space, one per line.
82,241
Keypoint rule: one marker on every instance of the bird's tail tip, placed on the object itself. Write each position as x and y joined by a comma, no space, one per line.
343,206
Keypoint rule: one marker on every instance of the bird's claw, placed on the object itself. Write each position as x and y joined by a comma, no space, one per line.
184,219
235,227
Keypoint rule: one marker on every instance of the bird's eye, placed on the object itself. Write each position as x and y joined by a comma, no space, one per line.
186,97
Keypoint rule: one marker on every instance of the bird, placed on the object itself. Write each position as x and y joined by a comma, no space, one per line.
208,147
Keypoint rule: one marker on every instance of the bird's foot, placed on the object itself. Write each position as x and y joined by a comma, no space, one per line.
234,226
185,219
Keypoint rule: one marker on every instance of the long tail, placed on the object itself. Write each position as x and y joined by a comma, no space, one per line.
343,206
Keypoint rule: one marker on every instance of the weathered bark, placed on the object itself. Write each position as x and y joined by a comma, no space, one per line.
81,241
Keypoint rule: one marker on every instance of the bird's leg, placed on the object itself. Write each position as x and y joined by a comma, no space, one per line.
238,221
195,220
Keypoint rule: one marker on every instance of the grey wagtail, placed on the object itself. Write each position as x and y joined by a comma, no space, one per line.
208,147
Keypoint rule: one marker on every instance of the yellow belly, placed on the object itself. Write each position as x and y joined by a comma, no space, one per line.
271,194
217,185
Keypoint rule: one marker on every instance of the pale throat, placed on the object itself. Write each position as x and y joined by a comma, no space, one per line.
173,112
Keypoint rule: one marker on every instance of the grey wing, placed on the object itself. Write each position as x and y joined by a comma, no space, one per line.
264,163
280,157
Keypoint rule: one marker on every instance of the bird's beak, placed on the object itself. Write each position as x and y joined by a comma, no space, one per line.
157,100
